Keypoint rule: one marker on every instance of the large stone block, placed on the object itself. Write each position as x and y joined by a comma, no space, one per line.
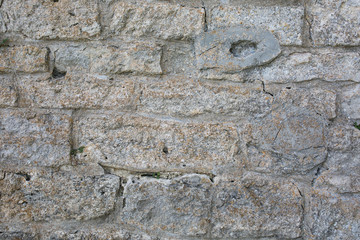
29,59
179,206
289,140
334,22
148,144
43,195
332,216
136,57
234,49
8,94
162,20
29,137
181,96
47,19
325,65
77,91
257,207
284,21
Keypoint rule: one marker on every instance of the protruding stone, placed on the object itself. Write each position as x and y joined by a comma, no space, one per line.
34,138
257,207
180,206
78,91
137,57
65,19
29,59
284,21
148,144
162,20
232,50
334,22
44,196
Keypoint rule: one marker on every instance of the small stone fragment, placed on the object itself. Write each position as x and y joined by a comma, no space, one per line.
351,102
8,94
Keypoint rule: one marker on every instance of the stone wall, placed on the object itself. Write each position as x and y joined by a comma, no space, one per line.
187,119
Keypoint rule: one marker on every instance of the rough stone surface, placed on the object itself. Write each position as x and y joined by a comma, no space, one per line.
125,58
299,67
257,207
48,19
334,22
28,59
148,144
179,119
8,94
351,102
284,21
179,96
77,91
42,195
162,20
332,216
179,206
36,138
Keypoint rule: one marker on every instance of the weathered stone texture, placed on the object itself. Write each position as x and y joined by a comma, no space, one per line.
36,138
47,19
143,58
8,94
162,20
180,96
334,22
305,66
351,102
77,91
284,21
29,59
147,144
332,216
257,207
43,195
180,206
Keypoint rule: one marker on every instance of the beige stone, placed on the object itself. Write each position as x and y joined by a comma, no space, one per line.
64,19
29,59
162,20
8,93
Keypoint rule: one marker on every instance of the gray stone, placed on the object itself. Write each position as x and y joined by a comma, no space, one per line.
135,57
332,216
43,195
232,50
180,206
350,102
284,21
8,94
65,19
77,90
34,138
305,66
146,144
289,140
18,235
29,59
257,207
334,22
162,20
187,97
